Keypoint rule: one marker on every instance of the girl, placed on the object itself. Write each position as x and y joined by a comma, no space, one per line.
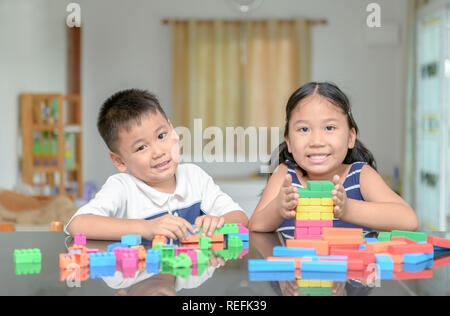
321,144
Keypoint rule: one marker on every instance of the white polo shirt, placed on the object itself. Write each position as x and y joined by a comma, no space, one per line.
125,196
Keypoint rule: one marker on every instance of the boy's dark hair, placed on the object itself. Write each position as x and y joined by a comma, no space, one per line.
338,98
123,109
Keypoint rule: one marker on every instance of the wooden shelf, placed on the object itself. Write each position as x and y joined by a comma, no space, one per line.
46,121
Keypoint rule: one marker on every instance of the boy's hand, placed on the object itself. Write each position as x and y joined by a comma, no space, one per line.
208,223
339,198
173,227
288,198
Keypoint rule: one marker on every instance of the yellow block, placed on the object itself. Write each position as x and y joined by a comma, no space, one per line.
314,283
326,201
326,283
314,216
303,283
302,216
315,201
327,216
315,208
304,201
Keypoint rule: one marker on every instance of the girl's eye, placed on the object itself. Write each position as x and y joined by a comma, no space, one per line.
330,128
303,129
162,135
142,147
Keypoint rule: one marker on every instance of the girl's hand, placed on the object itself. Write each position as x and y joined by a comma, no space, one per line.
208,224
339,198
288,198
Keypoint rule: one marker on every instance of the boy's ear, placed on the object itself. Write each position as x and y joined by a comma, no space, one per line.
117,161
352,138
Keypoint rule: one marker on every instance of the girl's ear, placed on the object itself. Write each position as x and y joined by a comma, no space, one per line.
286,139
352,138
118,162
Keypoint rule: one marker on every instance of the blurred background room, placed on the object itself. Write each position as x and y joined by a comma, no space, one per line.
233,63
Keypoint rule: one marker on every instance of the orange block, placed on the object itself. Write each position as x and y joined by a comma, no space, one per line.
56,226
297,260
217,246
320,245
192,239
382,247
343,239
159,240
141,252
340,231
7,227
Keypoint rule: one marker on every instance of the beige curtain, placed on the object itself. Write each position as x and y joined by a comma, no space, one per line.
237,73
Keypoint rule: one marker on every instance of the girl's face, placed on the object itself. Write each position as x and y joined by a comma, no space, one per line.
319,137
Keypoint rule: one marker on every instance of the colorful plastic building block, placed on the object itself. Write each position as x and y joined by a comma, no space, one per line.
131,240
280,251
56,226
272,276
262,265
102,259
415,236
204,242
80,239
27,255
180,261
111,247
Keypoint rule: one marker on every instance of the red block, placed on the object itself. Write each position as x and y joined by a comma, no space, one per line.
425,274
411,248
403,238
312,223
366,256
439,241
437,263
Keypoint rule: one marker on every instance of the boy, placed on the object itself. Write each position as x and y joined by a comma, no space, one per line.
156,196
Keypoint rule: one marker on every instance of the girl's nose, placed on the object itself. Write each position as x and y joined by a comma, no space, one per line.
317,139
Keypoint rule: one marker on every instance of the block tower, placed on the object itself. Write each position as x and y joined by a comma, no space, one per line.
314,210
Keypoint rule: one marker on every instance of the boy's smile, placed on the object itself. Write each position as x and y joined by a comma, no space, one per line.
319,137
149,151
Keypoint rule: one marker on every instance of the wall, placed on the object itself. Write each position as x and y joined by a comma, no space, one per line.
125,45
32,59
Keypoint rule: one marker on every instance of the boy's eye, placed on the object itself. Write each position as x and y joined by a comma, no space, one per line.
141,147
162,135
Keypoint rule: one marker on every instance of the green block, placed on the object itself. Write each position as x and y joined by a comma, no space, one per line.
315,291
166,252
305,193
201,269
227,229
204,243
228,253
180,272
235,242
384,236
27,268
202,256
180,261
27,256
416,236
320,185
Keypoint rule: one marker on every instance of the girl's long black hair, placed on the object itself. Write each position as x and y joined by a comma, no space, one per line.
330,91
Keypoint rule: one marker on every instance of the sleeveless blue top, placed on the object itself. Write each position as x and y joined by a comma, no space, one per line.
351,186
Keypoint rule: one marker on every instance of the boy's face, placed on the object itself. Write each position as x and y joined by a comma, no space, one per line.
149,151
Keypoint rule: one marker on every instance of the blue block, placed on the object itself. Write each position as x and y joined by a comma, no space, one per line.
385,262
415,258
408,267
362,247
272,276
242,236
111,247
132,240
324,276
152,267
153,256
385,275
245,245
370,240
280,251
102,259
262,265
324,266
99,272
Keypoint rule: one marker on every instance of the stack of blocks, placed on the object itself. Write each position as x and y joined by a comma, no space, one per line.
314,210
129,256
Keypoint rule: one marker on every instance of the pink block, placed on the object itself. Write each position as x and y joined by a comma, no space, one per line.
80,239
243,253
301,230
307,237
193,255
311,223
315,231
129,260
242,229
179,250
